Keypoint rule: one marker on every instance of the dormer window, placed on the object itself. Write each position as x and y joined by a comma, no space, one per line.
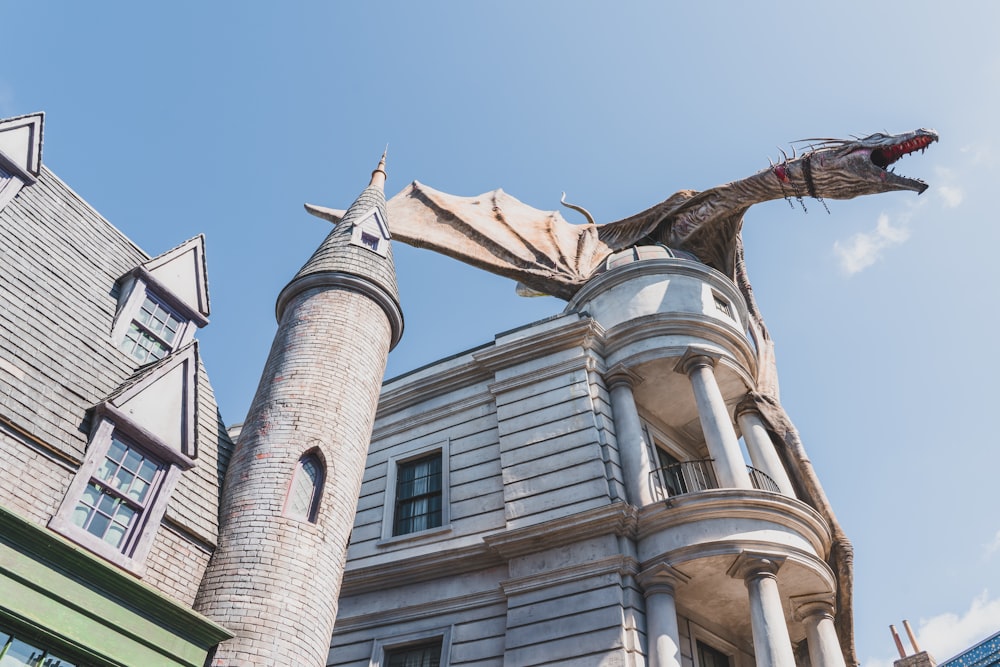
371,232
153,332
161,303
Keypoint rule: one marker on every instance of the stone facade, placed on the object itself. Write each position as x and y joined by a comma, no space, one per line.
575,492
598,507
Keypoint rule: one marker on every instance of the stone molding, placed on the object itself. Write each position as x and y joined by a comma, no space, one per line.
414,389
738,356
409,422
399,615
337,279
585,332
425,567
668,266
755,564
621,565
615,519
661,578
815,604
621,374
736,504
583,363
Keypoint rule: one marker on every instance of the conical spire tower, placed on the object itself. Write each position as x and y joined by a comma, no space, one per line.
292,485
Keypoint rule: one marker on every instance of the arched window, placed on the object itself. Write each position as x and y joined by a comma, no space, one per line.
306,489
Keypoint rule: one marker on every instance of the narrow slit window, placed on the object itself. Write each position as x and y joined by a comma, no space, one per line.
306,489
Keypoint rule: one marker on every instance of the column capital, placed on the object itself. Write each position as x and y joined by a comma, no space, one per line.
819,605
752,565
621,374
747,405
696,357
661,578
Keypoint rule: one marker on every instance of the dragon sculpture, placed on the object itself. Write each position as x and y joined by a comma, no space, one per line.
548,255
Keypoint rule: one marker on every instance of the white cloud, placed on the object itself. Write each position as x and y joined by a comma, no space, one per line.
993,547
952,196
865,248
948,634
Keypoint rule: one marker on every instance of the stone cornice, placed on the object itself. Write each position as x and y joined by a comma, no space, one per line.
408,423
623,565
584,362
694,325
361,285
737,504
617,519
434,565
669,266
585,333
421,389
399,615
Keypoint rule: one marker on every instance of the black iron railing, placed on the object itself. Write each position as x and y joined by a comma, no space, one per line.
698,475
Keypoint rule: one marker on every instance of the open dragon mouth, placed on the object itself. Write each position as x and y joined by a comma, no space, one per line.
883,157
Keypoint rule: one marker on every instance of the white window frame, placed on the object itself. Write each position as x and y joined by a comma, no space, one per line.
131,556
137,286
389,504
383,644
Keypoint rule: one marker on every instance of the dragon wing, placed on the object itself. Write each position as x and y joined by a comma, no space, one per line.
498,233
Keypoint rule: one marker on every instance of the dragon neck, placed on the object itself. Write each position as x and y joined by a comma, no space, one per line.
731,200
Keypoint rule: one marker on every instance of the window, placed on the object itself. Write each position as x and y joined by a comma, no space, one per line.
371,232
118,493
418,495
420,655
711,657
306,488
115,502
153,332
426,648
17,653
723,306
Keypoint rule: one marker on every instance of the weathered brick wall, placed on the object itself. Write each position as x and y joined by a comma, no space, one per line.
31,484
175,565
280,577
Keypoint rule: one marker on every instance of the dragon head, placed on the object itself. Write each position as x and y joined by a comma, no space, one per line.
844,169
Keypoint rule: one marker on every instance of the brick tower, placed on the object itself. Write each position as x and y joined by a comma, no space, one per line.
292,486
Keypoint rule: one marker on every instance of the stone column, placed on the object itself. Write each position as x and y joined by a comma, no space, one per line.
720,436
816,612
662,633
771,643
632,446
761,449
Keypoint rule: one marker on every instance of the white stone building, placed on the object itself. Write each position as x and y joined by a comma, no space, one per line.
584,491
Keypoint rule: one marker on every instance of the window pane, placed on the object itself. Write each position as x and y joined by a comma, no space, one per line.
418,495
421,655
304,494
20,654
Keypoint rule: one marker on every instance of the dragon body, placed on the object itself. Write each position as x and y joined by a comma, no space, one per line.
548,255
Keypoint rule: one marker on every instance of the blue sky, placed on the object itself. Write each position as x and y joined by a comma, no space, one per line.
224,118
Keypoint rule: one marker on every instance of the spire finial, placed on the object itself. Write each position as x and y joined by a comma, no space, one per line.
378,176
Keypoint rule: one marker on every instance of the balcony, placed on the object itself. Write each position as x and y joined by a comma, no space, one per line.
693,476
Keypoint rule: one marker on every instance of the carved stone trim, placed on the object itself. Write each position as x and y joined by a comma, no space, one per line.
622,565
399,615
585,333
755,564
425,567
617,519
815,604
